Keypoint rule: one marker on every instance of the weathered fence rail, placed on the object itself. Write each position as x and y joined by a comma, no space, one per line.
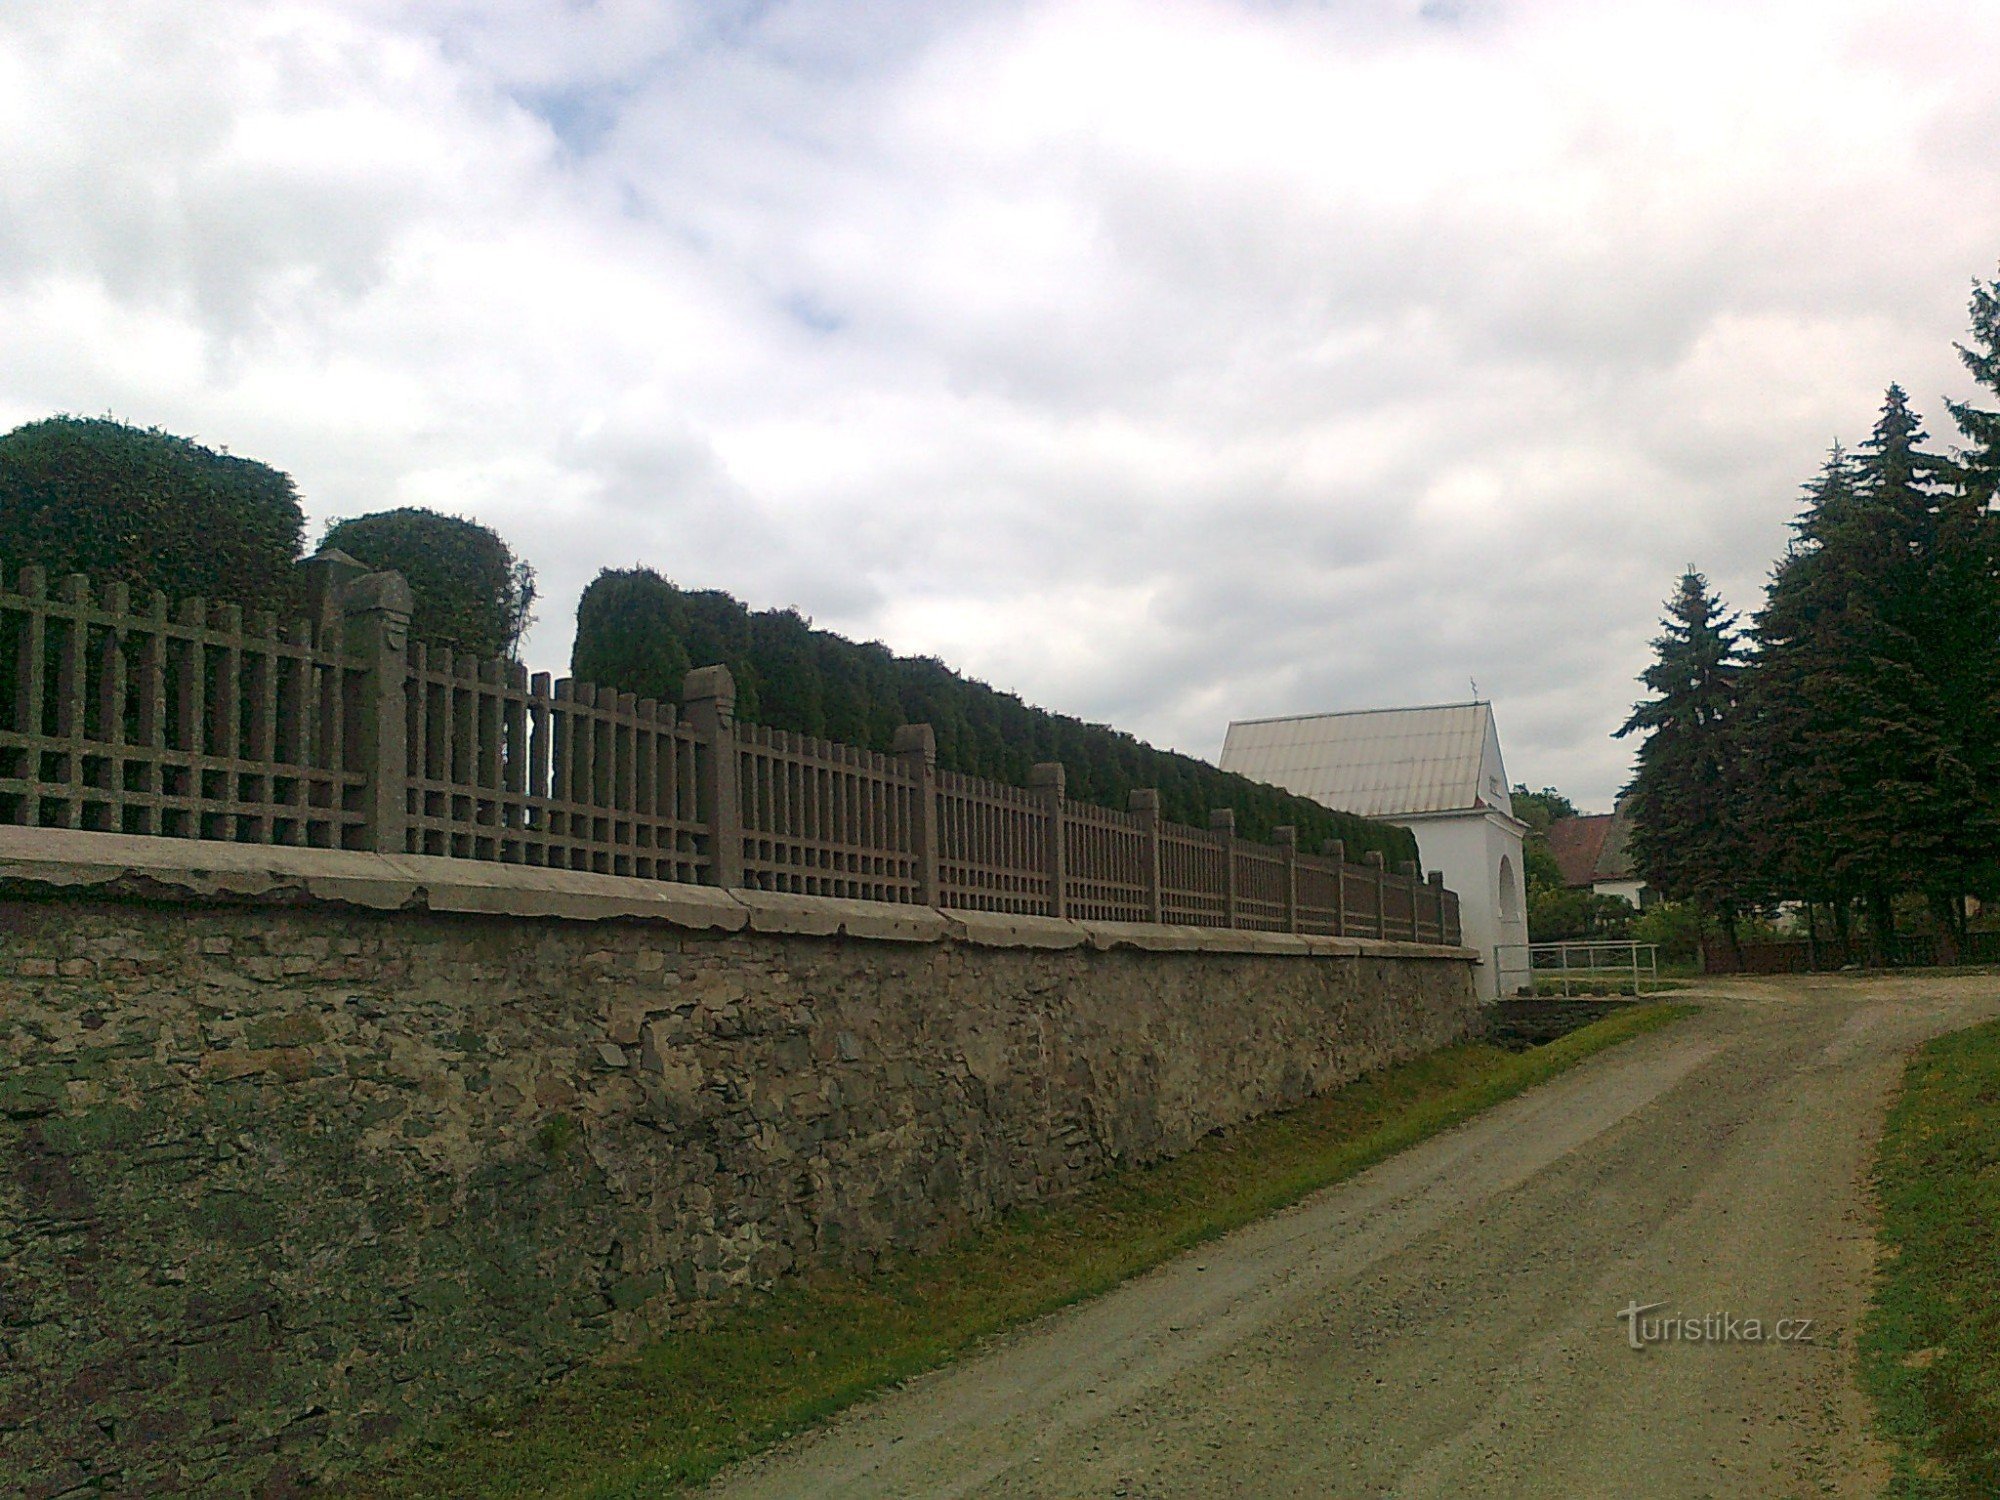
1822,955
340,732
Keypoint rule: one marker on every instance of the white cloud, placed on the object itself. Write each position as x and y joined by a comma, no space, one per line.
1165,362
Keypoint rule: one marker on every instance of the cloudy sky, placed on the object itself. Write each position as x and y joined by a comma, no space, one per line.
1165,361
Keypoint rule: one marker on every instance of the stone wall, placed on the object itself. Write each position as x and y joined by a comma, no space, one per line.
305,1152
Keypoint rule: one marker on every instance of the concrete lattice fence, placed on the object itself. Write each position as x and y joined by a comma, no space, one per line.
131,716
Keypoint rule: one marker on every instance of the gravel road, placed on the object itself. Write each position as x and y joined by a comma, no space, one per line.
1446,1323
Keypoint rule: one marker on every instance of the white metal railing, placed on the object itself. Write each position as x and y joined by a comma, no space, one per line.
1586,965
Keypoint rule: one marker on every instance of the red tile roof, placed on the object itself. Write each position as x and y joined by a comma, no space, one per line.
1578,844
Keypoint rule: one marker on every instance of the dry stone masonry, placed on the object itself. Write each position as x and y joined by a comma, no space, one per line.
304,1149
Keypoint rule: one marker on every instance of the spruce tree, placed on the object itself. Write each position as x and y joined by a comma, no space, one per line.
1959,635
1688,836
1864,790
1965,615
1791,695
1980,426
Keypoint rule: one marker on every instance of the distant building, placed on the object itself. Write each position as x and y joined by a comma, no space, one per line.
1435,771
1594,853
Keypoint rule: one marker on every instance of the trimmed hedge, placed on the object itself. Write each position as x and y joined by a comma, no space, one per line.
637,632
143,507
472,593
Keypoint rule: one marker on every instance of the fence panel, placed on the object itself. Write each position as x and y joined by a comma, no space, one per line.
1109,860
823,819
1194,875
1399,908
183,724
1430,913
1319,897
1262,903
502,766
1361,902
993,846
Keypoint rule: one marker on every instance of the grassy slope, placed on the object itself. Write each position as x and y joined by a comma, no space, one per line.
1931,1350
692,1402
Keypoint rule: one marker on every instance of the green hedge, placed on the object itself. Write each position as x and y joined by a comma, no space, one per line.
637,632
471,592
142,507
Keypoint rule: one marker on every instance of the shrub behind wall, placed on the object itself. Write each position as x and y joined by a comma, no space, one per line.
637,632
143,507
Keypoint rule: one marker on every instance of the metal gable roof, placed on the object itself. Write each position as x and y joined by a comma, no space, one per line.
1379,762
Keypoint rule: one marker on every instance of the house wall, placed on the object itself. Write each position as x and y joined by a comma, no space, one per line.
1624,890
1493,790
1480,855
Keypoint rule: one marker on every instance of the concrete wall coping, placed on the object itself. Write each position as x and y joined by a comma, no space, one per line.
42,861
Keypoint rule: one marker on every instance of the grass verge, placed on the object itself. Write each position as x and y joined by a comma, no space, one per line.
1930,1351
692,1402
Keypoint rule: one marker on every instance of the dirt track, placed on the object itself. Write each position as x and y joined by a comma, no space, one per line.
1446,1323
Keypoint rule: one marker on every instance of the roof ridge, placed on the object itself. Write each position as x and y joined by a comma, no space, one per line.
1355,713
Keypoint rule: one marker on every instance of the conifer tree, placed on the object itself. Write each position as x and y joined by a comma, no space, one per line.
1959,635
1688,836
1790,695
1863,790
1980,426
1964,626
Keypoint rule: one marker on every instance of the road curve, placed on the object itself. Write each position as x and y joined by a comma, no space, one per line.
1446,1324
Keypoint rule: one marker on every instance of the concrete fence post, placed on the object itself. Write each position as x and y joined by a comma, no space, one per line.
326,576
1049,781
1336,850
1145,805
1223,821
916,746
1380,866
708,706
1286,837
374,628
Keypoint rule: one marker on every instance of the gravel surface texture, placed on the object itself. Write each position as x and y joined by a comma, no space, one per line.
1447,1323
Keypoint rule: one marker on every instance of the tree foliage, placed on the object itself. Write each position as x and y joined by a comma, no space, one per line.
637,632
1674,927
1539,870
1857,762
472,594
1873,694
1560,914
1540,810
1687,838
1981,425
146,508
